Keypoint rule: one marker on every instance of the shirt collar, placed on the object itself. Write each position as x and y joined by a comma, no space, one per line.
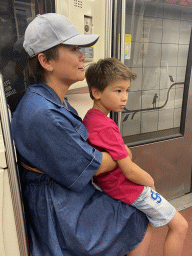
49,94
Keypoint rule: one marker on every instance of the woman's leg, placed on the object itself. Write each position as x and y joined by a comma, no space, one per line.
176,235
142,248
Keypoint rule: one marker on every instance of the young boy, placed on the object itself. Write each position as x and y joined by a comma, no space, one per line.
109,81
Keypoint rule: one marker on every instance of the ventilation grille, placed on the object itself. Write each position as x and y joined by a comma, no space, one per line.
78,3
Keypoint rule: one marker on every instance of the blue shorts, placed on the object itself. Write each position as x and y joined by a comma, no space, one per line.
156,208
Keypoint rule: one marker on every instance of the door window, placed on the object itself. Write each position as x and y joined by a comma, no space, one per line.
157,35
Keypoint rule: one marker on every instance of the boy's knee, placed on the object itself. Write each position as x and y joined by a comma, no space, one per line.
179,224
182,225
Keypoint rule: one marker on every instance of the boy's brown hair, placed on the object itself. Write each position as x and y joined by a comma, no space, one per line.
100,74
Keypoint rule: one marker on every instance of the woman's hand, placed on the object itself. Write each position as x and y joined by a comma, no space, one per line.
107,164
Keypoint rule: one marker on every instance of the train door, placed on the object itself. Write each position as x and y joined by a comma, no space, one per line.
14,18
153,38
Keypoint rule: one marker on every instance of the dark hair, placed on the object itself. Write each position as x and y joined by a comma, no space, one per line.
100,74
34,72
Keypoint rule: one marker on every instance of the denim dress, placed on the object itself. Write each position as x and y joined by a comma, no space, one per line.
65,214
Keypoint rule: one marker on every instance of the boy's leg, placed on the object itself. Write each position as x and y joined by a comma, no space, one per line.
156,208
176,235
142,248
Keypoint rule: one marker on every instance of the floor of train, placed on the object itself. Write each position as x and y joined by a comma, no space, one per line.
184,206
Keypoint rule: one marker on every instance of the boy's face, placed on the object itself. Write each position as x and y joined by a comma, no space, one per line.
114,97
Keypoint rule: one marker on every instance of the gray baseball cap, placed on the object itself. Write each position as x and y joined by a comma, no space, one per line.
51,29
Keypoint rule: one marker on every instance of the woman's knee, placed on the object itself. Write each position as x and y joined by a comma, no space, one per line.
143,247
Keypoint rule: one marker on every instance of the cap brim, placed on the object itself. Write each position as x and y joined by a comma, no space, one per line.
82,40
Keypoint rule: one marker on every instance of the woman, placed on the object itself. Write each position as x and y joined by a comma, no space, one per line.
65,214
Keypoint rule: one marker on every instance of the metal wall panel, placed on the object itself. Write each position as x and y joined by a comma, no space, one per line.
9,245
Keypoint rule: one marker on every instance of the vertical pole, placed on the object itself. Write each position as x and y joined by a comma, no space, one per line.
115,36
108,28
12,172
122,47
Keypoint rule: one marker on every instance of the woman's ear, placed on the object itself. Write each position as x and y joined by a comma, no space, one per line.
96,93
44,62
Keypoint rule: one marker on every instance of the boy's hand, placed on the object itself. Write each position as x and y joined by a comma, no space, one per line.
129,152
134,173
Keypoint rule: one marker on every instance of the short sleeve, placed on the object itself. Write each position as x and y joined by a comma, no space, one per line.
111,141
57,145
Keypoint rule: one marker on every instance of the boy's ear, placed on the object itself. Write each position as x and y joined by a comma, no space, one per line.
96,93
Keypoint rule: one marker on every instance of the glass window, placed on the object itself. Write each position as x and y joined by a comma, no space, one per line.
156,49
15,15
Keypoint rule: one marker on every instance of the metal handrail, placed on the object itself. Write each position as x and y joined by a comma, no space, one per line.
12,173
125,110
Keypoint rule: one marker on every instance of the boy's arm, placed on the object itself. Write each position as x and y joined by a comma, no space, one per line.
129,152
134,173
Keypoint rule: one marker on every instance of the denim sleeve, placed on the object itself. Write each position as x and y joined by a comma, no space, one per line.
56,143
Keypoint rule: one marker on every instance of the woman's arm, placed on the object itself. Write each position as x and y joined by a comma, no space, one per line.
107,164
134,173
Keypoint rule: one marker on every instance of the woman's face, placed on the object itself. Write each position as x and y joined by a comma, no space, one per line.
69,67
